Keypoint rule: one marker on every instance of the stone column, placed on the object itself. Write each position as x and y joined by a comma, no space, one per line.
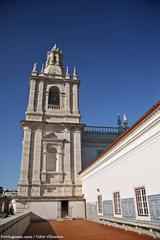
37,156
25,156
67,155
68,98
40,97
31,95
77,155
75,99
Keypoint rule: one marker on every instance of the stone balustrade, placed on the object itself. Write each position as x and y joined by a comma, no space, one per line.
50,106
15,225
97,129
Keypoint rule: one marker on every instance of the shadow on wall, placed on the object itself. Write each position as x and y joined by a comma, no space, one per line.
39,226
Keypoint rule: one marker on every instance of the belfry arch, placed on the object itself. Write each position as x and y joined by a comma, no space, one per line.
54,96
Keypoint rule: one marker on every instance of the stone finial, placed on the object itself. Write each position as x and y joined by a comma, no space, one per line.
125,121
34,67
74,71
67,73
42,69
34,70
125,118
119,122
75,76
54,47
67,70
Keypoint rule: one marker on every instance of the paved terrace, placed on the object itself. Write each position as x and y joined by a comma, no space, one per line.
79,230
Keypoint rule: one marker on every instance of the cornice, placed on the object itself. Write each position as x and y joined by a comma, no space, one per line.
56,79
38,124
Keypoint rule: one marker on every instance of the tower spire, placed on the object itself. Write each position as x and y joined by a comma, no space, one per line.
53,64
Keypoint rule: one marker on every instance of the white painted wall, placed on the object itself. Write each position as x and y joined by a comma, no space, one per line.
133,162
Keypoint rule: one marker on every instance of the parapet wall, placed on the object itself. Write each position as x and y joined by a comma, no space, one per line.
15,225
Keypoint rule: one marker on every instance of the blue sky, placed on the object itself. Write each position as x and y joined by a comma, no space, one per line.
114,44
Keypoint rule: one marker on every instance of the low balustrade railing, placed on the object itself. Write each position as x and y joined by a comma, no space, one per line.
50,106
97,129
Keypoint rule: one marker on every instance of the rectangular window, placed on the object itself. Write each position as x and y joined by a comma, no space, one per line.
117,203
142,205
100,204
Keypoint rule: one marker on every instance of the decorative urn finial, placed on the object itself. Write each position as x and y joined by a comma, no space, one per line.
125,121
67,73
75,76
34,70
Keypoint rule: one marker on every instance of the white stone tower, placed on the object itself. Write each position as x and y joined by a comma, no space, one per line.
49,183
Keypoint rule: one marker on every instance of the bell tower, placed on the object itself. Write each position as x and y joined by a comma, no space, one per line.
53,93
51,147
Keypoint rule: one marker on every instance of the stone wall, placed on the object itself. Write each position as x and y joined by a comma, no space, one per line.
15,225
50,210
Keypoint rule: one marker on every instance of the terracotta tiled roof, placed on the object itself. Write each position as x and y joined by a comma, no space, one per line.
129,130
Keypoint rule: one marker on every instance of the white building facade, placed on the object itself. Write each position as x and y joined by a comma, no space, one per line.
122,183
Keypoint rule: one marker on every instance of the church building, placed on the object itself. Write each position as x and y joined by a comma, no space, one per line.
55,144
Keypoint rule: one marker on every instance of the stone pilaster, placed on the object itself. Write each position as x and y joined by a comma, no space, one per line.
75,99
46,103
44,157
37,157
60,159
40,97
67,154
77,155
31,95
68,98
44,162
25,156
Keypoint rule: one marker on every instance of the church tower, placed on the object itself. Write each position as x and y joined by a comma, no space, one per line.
49,184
